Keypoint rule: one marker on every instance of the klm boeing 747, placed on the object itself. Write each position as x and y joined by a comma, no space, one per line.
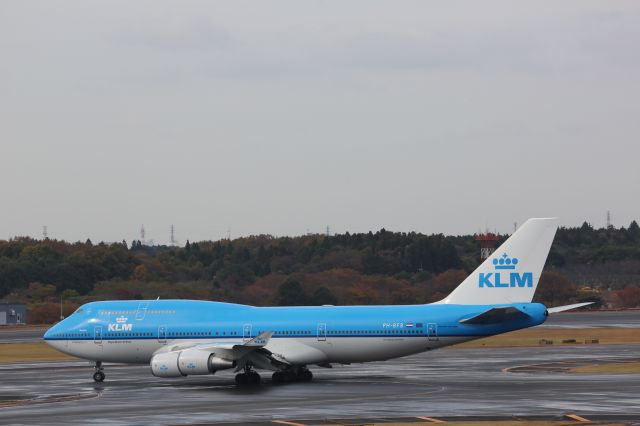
188,337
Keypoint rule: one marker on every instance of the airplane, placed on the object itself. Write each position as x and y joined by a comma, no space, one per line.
180,338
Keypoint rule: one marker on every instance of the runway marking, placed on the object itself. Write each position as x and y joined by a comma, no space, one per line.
430,419
284,422
577,418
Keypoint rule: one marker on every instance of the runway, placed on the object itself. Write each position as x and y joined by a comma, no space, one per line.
445,383
19,334
587,319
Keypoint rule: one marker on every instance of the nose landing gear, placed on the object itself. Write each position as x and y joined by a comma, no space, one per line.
98,375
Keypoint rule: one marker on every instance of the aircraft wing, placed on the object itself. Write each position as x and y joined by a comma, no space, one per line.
231,350
253,351
261,351
496,316
257,342
567,307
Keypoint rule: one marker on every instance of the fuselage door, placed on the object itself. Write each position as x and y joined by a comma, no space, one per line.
432,331
322,332
142,310
97,334
246,332
162,334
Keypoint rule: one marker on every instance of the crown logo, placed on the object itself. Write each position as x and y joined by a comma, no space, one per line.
505,262
121,319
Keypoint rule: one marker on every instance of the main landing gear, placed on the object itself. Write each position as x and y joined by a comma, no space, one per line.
98,375
300,374
249,377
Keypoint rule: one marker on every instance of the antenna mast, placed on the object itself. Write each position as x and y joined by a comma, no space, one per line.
142,234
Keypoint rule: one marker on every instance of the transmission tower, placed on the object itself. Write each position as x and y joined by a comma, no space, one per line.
142,234
488,242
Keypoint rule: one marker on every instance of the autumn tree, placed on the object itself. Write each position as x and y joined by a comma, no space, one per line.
291,293
629,297
554,289
323,296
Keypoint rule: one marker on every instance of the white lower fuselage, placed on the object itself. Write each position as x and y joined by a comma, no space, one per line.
308,349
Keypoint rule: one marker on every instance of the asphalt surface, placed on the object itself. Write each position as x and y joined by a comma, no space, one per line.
444,383
17,335
617,319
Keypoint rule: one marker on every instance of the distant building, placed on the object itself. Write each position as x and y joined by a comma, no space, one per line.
13,313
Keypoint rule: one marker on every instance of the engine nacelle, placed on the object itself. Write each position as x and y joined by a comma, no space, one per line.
195,361
216,364
189,361
166,365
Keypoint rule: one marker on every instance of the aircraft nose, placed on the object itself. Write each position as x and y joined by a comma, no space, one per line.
50,333
50,338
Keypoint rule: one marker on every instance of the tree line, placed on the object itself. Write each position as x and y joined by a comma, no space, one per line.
373,267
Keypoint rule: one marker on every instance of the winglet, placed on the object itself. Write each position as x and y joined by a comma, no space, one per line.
260,340
567,307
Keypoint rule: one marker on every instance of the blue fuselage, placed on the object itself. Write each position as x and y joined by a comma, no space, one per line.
131,331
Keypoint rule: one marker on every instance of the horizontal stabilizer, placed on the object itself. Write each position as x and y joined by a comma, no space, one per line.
567,307
496,316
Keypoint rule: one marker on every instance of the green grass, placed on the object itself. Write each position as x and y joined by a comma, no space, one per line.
533,336
29,352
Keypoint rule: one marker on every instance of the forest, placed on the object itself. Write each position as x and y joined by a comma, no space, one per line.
383,267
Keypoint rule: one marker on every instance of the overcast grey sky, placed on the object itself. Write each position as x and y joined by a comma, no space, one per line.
282,116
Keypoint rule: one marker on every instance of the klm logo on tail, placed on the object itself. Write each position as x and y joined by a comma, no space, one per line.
515,279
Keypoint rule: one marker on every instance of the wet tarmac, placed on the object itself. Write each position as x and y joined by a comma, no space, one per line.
18,335
585,319
446,383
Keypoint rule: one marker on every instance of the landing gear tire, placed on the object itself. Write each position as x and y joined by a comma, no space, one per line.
250,378
278,377
305,375
254,378
302,375
241,379
98,377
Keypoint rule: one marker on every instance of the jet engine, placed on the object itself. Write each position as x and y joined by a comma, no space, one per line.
186,362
